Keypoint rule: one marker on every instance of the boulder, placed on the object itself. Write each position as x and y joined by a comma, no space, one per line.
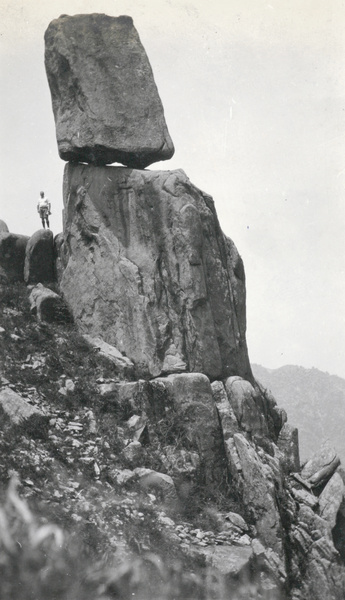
107,389
133,453
243,399
288,445
12,256
105,101
196,417
121,476
137,427
22,414
109,352
159,483
150,271
302,496
331,498
259,494
320,468
3,227
233,562
47,305
237,520
39,257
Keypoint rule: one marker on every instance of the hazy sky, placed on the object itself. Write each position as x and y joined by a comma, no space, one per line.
254,99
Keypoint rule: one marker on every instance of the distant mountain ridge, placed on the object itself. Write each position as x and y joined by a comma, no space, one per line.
314,401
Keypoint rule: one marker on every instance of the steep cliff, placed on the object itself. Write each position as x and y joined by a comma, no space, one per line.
148,268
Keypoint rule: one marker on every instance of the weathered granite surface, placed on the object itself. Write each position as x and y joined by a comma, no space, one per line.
148,269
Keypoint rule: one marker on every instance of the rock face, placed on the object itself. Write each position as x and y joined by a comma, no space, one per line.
39,258
105,101
149,270
12,256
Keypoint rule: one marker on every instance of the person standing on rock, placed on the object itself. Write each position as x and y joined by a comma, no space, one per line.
44,209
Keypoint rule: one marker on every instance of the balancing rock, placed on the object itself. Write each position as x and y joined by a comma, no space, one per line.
105,101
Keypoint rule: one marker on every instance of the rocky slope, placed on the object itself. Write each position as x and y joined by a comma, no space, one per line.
129,475
199,480
314,401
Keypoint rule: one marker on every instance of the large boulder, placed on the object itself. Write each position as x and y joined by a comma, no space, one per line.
12,256
158,482
110,353
231,561
19,413
105,101
196,421
261,482
39,258
331,499
47,305
150,271
320,468
245,402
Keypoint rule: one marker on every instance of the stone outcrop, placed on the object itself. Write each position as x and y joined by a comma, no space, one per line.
105,101
12,256
148,269
39,258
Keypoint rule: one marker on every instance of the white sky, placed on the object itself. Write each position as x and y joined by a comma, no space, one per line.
254,99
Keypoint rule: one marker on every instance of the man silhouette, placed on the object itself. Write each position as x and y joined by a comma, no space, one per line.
43,208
